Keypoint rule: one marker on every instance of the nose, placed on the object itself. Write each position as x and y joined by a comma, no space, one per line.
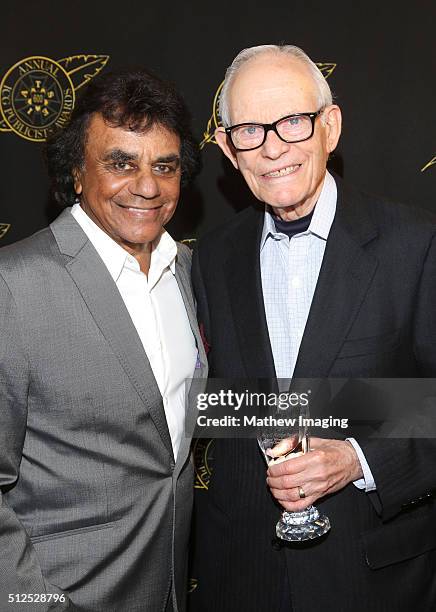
274,147
145,185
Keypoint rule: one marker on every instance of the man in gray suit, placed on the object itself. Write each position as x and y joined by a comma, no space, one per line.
98,336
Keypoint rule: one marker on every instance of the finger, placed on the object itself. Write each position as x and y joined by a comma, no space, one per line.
286,495
292,465
291,495
317,442
299,505
283,447
285,482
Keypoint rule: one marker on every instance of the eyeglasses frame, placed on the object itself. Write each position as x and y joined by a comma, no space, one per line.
273,126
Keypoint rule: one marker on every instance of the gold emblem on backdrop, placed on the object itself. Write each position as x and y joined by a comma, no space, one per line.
38,94
190,242
4,228
432,162
215,120
203,460
192,584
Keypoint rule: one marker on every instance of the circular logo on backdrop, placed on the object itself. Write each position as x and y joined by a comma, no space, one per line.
203,460
38,93
215,119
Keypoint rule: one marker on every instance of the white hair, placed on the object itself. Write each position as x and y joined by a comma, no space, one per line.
325,97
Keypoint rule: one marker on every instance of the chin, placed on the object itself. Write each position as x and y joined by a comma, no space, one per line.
283,204
302,200
140,238
282,199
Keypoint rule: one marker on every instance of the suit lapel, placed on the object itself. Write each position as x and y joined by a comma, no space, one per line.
346,273
245,290
345,276
184,283
106,306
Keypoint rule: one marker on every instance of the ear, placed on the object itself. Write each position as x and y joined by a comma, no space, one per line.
77,182
226,148
333,126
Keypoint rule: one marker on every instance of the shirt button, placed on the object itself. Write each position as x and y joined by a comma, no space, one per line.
296,282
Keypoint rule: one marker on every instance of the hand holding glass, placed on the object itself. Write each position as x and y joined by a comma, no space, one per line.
307,524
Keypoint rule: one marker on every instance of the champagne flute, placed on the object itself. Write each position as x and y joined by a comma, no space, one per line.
306,524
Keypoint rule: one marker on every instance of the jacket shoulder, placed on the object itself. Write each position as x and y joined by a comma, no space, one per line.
23,263
237,226
386,213
27,249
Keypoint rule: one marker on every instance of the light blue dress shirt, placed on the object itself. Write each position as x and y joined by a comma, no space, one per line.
289,271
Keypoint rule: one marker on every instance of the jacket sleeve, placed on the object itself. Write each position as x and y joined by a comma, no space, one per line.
20,571
404,462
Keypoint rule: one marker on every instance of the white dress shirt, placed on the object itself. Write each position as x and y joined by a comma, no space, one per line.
158,313
289,271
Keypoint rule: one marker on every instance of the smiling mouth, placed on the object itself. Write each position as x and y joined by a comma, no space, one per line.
140,210
283,172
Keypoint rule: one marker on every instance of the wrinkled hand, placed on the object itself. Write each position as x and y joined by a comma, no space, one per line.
328,467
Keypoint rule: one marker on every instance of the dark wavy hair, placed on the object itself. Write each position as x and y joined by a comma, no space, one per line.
132,99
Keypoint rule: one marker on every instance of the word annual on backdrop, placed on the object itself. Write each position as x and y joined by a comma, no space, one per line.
37,94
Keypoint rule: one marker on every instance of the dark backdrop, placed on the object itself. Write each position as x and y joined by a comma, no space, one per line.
383,80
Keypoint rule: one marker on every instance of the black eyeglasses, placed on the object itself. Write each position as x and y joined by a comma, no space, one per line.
292,128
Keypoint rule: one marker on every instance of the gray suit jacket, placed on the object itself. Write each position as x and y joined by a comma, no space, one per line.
92,503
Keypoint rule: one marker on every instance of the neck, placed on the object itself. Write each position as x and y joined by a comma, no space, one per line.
292,213
300,209
142,254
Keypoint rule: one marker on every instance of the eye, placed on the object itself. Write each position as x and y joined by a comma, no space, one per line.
122,166
165,168
251,130
294,120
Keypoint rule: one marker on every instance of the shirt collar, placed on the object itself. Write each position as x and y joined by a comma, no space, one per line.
322,219
115,258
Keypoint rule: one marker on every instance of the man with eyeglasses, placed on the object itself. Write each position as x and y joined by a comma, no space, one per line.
320,281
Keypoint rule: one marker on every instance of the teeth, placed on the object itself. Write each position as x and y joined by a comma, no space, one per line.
283,171
140,209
